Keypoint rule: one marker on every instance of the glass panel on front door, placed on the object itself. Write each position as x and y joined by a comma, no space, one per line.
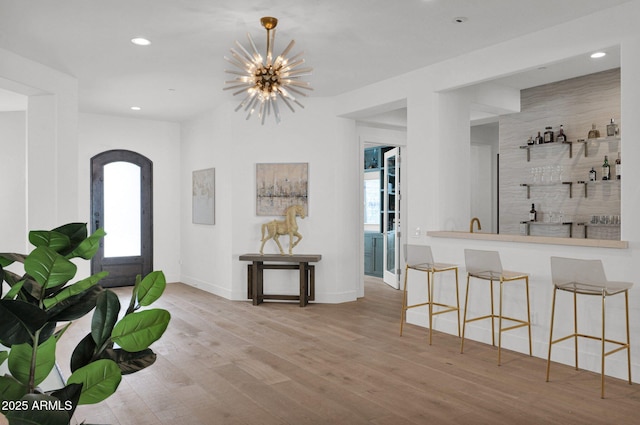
122,210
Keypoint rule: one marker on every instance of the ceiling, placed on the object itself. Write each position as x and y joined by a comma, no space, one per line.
349,44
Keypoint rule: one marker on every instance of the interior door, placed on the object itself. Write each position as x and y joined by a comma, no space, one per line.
121,204
391,220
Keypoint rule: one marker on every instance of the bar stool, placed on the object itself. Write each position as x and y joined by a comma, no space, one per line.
420,258
486,265
587,277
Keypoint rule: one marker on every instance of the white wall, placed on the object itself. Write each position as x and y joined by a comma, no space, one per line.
13,139
435,137
160,142
224,140
51,147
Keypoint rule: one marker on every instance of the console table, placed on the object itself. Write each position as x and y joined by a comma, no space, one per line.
255,279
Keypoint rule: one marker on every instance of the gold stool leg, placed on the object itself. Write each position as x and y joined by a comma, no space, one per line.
626,308
464,316
403,314
500,323
526,281
575,325
602,352
493,315
458,302
430,284
553,310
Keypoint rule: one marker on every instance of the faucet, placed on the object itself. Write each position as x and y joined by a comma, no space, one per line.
477,220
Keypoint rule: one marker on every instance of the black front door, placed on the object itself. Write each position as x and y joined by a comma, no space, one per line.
122,204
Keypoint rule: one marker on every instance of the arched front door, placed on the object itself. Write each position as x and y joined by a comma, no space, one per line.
122,204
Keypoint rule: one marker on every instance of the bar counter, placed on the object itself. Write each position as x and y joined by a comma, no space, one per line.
596,243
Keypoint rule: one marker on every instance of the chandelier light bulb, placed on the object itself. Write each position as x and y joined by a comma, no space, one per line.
266,83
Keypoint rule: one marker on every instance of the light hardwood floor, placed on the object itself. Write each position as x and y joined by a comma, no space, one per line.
229,362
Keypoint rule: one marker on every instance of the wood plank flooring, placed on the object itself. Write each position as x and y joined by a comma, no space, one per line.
229,362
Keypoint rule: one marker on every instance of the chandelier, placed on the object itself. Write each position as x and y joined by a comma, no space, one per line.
266,83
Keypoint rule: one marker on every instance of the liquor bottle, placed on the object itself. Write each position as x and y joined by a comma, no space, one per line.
533,215
539,140
612,129
530,141
606,170
548,135
592,175
594,133
561,136
618,168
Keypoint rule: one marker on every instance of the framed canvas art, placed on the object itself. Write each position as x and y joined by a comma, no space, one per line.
279,186
203,196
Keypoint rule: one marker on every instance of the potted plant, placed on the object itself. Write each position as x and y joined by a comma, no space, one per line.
40,305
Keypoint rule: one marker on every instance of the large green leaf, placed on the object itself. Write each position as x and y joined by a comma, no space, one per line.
14,290
19,321
69,395
88,247
104,317
20,361
7,258
99,380
54,240
74,289
151,288
137,331
11,389
48,267
3,356
83,353
77,232
75,306
43,410
131,362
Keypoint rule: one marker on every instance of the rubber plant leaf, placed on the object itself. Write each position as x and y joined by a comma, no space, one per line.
88,247
137,331
40,411
151,288
14,290
104,317
75,306
83,353
19,321
54,240
20,361
11,389
70,393
74,289
7,258
99,380
76,232
49,268
131,362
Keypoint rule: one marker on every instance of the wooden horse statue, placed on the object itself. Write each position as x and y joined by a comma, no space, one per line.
288,226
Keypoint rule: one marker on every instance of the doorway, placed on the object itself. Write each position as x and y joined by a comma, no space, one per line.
122,204
382,213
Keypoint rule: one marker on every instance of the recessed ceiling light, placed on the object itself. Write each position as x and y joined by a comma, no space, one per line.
597,55
135,108
140,41
460,20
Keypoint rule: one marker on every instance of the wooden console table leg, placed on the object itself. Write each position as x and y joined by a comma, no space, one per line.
312,282
257,282
304,284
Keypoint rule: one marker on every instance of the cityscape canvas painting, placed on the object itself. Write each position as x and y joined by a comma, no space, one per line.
203,196
279,186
